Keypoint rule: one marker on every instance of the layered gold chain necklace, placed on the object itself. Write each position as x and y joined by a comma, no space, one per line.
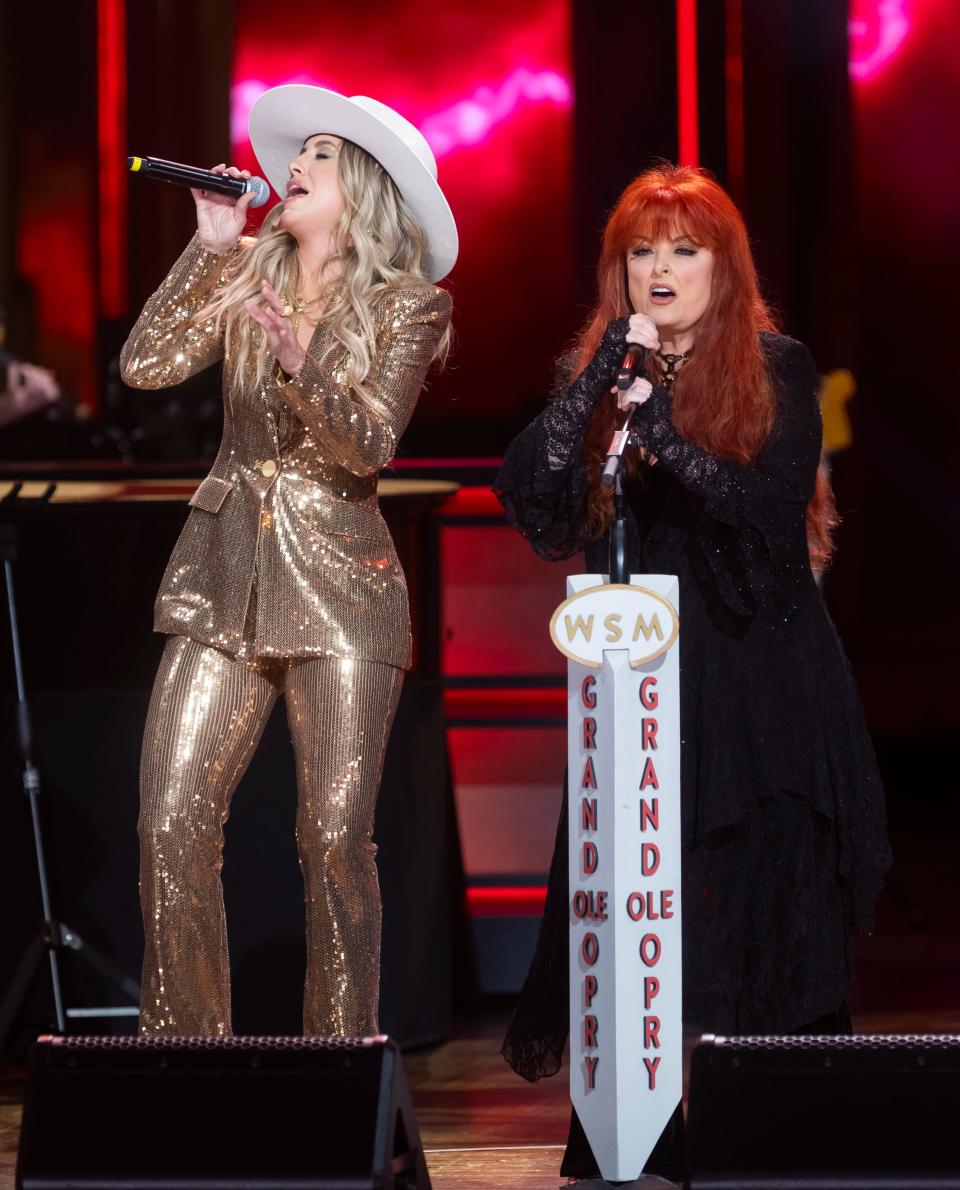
295,310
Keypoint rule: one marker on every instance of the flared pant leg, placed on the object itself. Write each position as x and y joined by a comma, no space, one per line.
340,713
206,716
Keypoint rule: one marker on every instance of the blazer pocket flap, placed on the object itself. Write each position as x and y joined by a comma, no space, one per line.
211,494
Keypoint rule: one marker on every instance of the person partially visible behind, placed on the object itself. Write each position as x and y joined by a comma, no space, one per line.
24,389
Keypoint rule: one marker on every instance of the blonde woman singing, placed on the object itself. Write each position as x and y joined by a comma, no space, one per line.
285,580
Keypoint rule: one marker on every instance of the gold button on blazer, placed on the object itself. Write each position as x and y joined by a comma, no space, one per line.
285,552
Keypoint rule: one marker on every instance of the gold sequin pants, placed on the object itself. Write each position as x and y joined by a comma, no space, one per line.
206,716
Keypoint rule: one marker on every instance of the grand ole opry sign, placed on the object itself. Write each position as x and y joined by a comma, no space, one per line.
623,753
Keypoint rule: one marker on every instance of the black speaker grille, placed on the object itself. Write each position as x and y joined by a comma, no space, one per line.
214,1044
858,1042
238,1113
836,1112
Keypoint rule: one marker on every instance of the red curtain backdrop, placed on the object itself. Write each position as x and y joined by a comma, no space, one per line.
905,74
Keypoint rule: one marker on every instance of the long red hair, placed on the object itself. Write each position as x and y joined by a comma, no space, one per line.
723,398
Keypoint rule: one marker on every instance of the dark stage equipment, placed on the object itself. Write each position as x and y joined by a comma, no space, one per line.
315,1113
53,937
824,1113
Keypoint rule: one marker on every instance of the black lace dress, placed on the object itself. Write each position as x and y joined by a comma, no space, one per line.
784,836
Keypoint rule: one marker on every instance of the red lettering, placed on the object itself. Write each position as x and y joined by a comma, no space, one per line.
590,988
651,1032
588,695
651,989
652,1072
648,734
590,950
649,775
591,858
590,1032
589,780
591,1065
650,814
589,732
588,814
649,950
648,693
640,905
590,903
649,858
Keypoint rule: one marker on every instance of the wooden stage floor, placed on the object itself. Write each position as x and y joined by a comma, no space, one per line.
481,1125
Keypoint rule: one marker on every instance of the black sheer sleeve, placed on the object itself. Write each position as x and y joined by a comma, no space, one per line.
752,515
542,484
784,471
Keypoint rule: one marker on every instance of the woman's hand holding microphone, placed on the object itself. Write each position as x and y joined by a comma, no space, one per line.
220,223
220,218
641,332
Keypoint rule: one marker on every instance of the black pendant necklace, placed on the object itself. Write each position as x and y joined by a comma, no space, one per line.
668,373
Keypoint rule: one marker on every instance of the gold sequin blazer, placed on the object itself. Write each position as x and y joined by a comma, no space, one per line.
285,552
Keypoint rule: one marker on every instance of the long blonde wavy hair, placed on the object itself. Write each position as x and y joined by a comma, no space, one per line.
378,245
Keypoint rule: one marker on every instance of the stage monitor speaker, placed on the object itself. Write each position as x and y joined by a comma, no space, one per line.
238,1113
824,1113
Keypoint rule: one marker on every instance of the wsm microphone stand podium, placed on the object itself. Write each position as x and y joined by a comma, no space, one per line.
620,635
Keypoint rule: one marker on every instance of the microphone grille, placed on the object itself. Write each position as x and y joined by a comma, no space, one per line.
261,191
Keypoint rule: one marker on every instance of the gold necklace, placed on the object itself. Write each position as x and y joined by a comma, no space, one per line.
294,310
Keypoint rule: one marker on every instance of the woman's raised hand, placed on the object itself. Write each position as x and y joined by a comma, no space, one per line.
281,336
637,330
220,218
643,332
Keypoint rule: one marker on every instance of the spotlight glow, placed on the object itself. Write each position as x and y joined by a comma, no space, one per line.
470,120
466,122
878,29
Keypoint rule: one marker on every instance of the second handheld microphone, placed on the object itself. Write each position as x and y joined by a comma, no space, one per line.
199,179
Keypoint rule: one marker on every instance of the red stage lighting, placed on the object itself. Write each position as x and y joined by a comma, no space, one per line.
491,90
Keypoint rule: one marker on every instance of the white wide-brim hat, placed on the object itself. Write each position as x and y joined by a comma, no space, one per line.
284,117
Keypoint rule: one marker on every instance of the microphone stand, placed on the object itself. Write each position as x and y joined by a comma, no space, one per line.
54,938
618,526
611,476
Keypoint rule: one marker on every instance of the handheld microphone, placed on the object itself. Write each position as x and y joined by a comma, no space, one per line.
630,369
199,179
632,366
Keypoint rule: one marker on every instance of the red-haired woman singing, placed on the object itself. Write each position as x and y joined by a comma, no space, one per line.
783,821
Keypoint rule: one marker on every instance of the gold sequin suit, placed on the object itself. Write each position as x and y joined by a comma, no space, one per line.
284,581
